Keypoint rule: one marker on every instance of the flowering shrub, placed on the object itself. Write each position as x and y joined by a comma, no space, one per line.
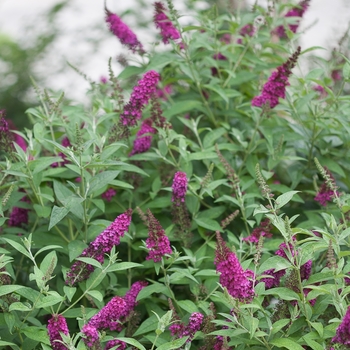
210,211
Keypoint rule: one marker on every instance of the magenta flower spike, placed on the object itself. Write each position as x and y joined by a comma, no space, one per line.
263,230
57,324
194,325
91,336
157,242
295,12
144,136
275,87
140,96
343,331
126,36
232,276
109,194
109,316
162,22
325,194
131,295
112,343
179,187
103,244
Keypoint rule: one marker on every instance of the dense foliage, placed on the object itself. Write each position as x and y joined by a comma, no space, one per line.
200,202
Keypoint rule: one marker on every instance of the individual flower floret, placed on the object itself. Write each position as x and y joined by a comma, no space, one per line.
109,194
57,324
275,87
232,276
103,243
126,36
162,22
157,242
343,331
140,96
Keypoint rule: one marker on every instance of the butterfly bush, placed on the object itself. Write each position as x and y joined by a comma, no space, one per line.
57,324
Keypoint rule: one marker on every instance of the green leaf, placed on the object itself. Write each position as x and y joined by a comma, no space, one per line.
149,325
75,248
10,319
286,343
90,261
49,300
284,198
42,163
121,184
37,334
61,191
182,107
209,224
149,290
133,342
57,214
47,248
206,273
212,137
276,262
129,71
69,292
17,246
49,263
218,90
282,293
202,155
95,294
42,211
188,306
19,307
123,266
346,71
175,344
102,179
4,343
278,325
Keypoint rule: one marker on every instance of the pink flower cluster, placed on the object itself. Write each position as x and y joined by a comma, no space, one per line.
295,12
111,316
109,194
115,342
180,330
140,96
275,87
157,242
57,324
238,282
143,139
162,22
19,216
248,30
343,331
103,243
126,36
262,230
179,187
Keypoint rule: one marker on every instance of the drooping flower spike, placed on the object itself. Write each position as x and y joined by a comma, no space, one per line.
57,324
126,36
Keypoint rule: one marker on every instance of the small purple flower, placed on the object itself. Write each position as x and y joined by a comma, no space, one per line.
115,342
232,276
321,90
109,194
57,324
343,331
143,139
91,336
109,316
140,96
248,30
295,12
126,36
157,242
305,270
162,22
131,295
103,244
274,280
275,87
163,93
179,187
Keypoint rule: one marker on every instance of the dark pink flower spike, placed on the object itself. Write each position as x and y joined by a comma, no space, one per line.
232,276
139,98
275,87
103,244
144,136
343,331
57,324
126,36
162,22
179,187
